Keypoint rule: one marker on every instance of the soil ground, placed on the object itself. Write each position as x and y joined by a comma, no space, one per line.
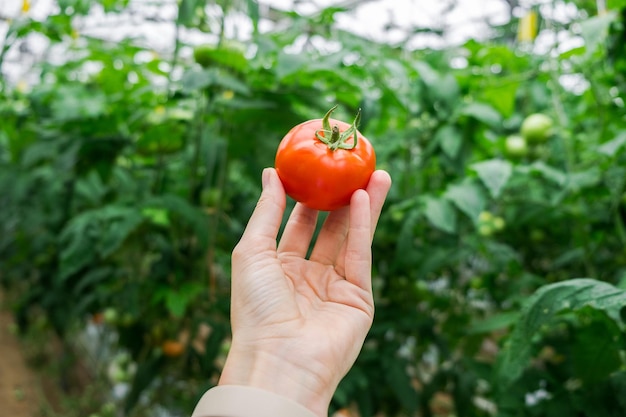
19,392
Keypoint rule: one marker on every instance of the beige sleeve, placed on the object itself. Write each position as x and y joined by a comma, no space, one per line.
240,401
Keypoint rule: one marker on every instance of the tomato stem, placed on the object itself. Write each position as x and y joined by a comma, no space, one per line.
333,137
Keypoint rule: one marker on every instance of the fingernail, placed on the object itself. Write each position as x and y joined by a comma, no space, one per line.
265,177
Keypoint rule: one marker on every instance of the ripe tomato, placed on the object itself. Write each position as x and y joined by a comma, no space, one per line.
172,348
322,162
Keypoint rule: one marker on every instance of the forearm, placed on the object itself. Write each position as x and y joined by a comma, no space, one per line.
243,401
272,372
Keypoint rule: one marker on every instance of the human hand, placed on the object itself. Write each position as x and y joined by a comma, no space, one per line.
299,324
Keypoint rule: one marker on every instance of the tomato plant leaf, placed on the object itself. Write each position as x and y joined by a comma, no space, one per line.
584,179
187,12
616,4
197,79
441,214
77,243
494,174
595,354
501,94
595,31
552,174
75,102
399,382
117,224
441,87
483,113
540,310
288,64
611,147
468,197
182,210
145,375
177,301
450,139
496,322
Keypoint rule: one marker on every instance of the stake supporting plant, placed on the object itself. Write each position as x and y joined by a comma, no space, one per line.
333,137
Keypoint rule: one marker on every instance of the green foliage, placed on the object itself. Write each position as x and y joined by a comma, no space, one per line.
128,175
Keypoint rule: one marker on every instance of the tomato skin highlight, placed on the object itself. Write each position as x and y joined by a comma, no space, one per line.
318,177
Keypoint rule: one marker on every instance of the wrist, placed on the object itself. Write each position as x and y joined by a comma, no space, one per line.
272,371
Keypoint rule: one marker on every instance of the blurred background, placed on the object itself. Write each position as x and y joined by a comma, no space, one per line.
132,138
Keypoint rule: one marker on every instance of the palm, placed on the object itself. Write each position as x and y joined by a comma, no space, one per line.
307,314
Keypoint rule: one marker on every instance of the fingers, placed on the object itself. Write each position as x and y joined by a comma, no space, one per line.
358,255
298,232
330,245
263,226
378,187
332,237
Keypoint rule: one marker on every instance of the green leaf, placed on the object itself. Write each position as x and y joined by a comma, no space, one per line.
595,31
400,383
230,54
615,4
569,257
147,372
177,301
441,214
254,13
496,322
552,174
612,147
187,12
229,82
289,64
615,180
584,179
501,95
193,216
468,197
77,243
197,79
440,87
540,310
494,174
157,216
117,224
75,102
595,354
483,113
450,139
429,76
99,232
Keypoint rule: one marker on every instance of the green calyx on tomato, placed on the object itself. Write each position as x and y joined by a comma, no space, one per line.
335,139
322,162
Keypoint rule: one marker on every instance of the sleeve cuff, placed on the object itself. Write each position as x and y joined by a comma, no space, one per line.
241,401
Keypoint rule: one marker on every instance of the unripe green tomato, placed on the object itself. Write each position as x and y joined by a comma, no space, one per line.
485,230
110,316
516,146
536,128
498,223
485,216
